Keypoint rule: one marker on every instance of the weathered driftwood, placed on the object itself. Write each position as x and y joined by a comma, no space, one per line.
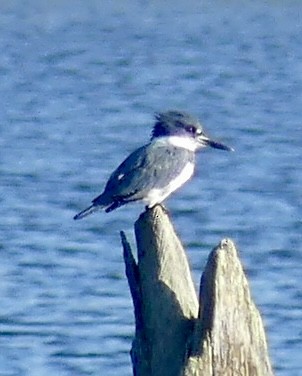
221,334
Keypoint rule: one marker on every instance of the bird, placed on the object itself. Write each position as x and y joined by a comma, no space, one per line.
154,171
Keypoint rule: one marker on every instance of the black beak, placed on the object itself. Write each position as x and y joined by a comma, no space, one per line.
218,145
214,144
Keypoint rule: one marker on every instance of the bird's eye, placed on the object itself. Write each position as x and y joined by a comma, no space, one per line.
191,129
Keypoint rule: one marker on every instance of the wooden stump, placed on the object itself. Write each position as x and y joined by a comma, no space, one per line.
221,334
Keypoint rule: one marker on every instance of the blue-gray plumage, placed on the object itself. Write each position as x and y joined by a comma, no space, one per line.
152,172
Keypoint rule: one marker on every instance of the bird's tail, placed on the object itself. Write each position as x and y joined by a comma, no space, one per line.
91,209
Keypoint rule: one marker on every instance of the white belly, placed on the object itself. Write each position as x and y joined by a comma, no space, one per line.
156,196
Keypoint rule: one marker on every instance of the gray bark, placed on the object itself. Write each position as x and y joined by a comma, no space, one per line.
177,334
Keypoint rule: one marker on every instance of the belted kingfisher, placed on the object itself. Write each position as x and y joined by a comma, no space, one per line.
152,172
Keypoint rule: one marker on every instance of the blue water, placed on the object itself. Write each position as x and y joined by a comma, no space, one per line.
79,83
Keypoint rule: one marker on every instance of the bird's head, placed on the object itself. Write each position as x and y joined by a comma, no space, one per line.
181,126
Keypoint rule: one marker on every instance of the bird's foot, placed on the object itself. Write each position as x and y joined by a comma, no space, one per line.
165,210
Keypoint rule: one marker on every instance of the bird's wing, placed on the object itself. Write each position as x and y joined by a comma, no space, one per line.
148,167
